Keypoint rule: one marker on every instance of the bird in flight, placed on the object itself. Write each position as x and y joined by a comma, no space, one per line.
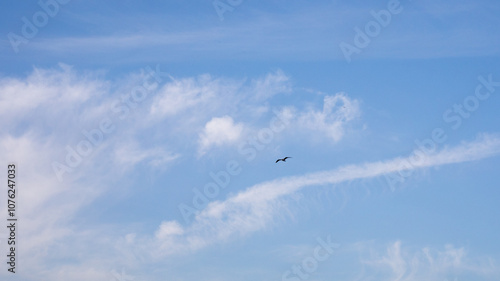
284,159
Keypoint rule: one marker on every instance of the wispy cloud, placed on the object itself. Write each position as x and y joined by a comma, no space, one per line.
48,92
207,106
400,263
130,154
272,84
309,32
337,111
192,93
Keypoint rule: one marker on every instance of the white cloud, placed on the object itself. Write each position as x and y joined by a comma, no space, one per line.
196,101
272,84
46,205
169,228
330,121
219,131
182,94
130,154
337,111
298,34
402,264
43,113
287,114
188,93
46,94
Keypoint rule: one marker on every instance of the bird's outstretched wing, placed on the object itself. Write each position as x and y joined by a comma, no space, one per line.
283,159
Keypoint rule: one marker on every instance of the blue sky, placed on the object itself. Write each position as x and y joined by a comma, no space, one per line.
146,134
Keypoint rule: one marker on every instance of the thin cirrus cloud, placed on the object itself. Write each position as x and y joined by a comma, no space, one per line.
47,89
399,262
416,32
204,94
272,84
186,94
337,111
256,207
331,121
130,154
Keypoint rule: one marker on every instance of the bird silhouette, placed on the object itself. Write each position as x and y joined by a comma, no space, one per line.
284,159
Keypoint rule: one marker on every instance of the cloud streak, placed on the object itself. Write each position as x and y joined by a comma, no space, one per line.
301,30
